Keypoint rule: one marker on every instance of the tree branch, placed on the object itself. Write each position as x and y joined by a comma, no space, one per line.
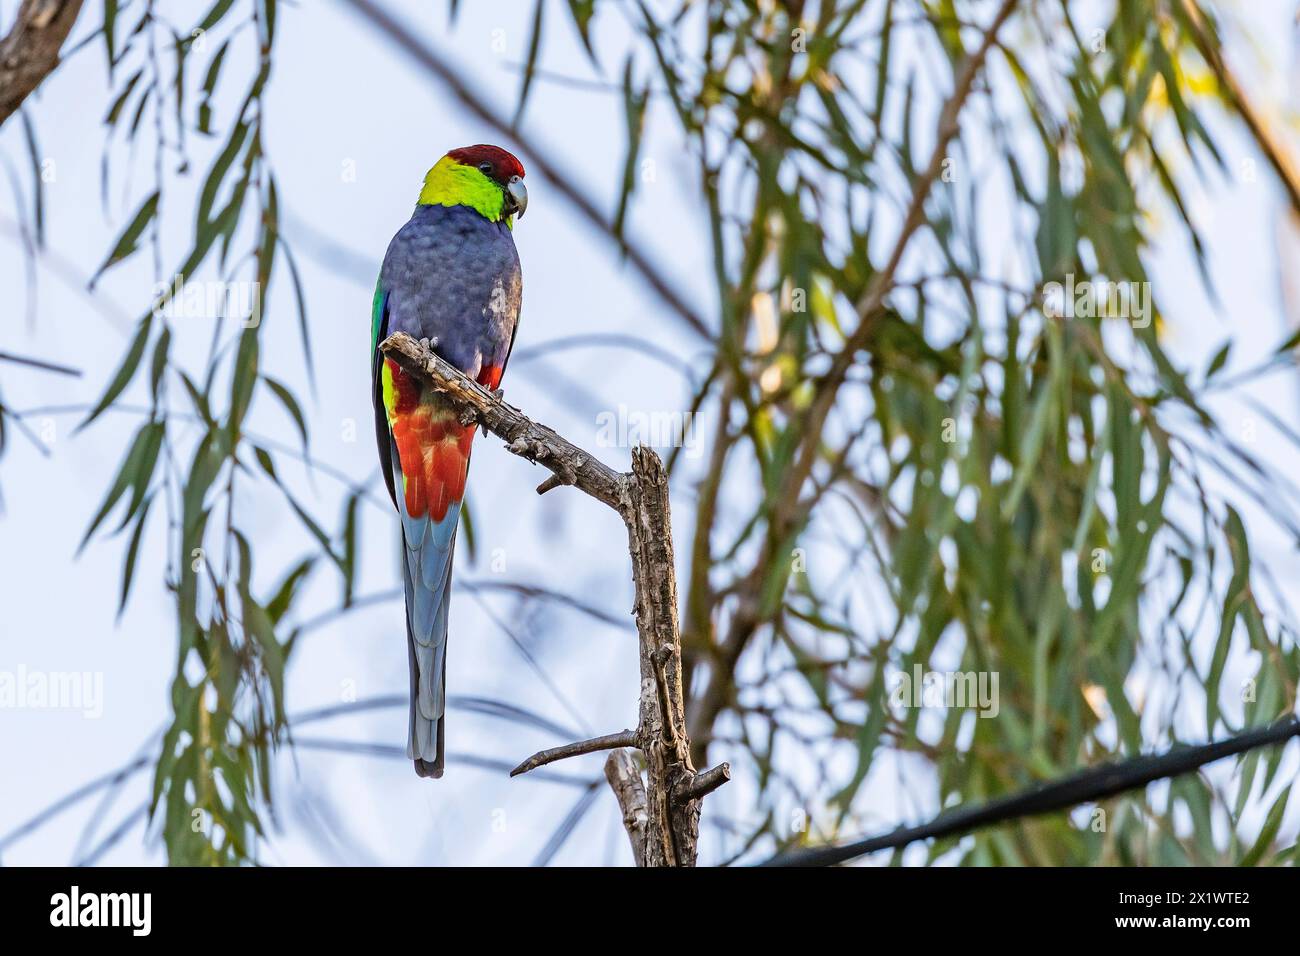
625,779
703,784
673,828
624,738
31,50
522,436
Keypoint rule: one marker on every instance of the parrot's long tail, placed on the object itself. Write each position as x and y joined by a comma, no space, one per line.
426,572
423,728
430,455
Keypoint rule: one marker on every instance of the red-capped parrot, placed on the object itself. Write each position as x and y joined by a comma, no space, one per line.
452,276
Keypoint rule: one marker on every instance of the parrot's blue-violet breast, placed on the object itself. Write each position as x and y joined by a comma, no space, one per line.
451,275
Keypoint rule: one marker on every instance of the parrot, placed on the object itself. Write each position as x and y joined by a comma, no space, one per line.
451,276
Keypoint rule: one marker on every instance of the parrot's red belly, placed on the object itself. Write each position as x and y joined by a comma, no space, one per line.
432,445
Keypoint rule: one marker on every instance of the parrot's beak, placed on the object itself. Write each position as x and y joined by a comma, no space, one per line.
517,193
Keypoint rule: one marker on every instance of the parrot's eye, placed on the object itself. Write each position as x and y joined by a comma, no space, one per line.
486,167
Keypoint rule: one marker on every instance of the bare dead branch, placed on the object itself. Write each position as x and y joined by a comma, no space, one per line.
30,52
551,483
701,785
623,738
673,828
522,436
624,777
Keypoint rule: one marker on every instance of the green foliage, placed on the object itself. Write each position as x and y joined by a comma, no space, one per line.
1001,489
213,778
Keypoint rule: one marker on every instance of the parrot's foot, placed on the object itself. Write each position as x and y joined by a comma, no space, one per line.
497,394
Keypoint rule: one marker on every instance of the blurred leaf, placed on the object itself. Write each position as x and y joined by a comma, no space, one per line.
1268,832
126,242
534,47
581,11
132,551
634,103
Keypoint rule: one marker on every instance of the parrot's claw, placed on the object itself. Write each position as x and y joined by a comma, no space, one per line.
497,394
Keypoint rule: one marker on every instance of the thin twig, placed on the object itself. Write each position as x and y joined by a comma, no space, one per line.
72,799
40,363
137,815
624,738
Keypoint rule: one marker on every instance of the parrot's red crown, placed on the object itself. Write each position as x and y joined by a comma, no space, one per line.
503,164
